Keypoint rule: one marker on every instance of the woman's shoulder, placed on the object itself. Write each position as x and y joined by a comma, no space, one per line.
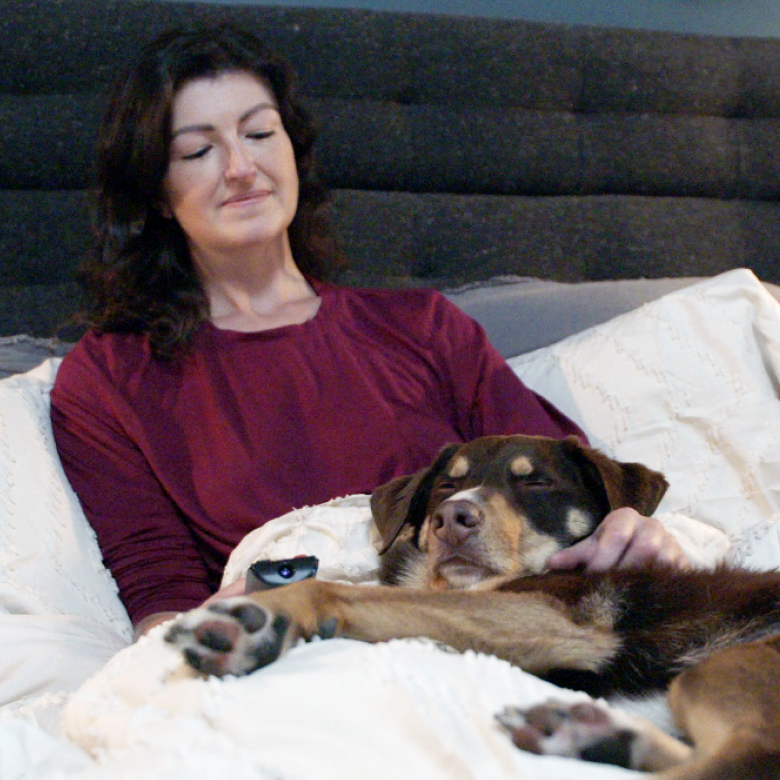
421,319
98,358
406,304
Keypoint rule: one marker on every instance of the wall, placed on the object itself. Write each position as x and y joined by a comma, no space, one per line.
715,17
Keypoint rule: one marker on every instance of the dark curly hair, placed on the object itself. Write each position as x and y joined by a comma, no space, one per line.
141,277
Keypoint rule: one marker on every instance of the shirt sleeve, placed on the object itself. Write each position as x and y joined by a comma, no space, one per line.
489,398
145,542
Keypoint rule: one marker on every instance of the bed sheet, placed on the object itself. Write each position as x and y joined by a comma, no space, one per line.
687,384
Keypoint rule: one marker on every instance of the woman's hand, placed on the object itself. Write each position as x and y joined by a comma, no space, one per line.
234,589
624,539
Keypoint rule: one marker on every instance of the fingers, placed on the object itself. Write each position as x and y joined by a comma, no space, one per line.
236,588
624,539
578,554
649,541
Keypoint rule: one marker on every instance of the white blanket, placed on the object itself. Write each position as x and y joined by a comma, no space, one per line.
687,384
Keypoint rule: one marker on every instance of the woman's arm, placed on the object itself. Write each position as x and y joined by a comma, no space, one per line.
144,540
236,588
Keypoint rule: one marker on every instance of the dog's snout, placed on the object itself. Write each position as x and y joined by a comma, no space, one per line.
455,521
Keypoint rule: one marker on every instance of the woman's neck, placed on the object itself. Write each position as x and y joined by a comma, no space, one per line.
257,292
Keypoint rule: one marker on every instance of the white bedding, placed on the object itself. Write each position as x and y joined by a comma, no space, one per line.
687,384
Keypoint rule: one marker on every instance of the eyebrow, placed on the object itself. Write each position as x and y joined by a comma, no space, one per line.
205,128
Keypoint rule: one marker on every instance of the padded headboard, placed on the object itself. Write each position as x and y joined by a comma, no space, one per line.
457,149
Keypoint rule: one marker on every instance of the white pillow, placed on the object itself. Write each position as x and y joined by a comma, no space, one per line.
50,563
44,658
60,614
687,384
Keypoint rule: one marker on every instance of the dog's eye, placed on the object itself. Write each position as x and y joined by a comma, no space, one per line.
533,481
448,484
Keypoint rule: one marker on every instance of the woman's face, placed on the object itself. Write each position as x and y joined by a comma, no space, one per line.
232,180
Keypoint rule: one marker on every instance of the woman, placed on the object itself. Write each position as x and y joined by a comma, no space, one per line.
223,381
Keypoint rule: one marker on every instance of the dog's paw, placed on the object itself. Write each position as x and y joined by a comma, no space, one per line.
232,636
584,730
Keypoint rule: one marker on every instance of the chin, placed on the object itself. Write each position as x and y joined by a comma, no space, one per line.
463,576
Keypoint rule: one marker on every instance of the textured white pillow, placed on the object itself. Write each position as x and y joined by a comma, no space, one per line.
60,615
687,384
50,563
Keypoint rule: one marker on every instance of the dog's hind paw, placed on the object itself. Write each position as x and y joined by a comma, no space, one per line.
232,636
583,730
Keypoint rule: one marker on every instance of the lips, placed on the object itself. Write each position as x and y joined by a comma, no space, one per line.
246,198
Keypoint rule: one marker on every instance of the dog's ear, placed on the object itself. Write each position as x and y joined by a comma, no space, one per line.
404,500
625,484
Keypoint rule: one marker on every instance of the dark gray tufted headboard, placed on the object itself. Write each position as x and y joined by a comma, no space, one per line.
456,148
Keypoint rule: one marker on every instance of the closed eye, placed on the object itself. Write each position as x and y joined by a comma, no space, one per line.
448,485
196,154
533,481
260,135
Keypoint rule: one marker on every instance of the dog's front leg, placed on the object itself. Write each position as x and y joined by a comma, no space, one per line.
240,634
531,630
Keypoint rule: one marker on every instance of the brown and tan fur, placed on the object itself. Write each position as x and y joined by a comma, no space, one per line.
500,506
712,639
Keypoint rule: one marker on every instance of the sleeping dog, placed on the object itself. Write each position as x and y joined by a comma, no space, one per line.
500,506
469,538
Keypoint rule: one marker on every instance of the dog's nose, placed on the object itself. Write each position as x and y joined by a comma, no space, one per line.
455,521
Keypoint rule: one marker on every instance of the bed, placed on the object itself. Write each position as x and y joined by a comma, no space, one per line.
613,226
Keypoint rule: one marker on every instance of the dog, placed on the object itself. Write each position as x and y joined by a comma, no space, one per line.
470,535
500,506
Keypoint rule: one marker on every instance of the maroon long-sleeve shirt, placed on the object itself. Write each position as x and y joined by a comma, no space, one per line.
175,462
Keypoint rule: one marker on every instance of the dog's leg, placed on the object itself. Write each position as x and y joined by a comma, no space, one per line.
593,732
729,706
531,630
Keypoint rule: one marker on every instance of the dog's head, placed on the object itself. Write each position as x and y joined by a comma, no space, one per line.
501,505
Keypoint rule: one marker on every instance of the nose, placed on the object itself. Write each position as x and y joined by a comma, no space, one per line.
455,521
240,162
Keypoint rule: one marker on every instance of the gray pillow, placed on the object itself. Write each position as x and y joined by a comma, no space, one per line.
519,314
522,314
21,353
